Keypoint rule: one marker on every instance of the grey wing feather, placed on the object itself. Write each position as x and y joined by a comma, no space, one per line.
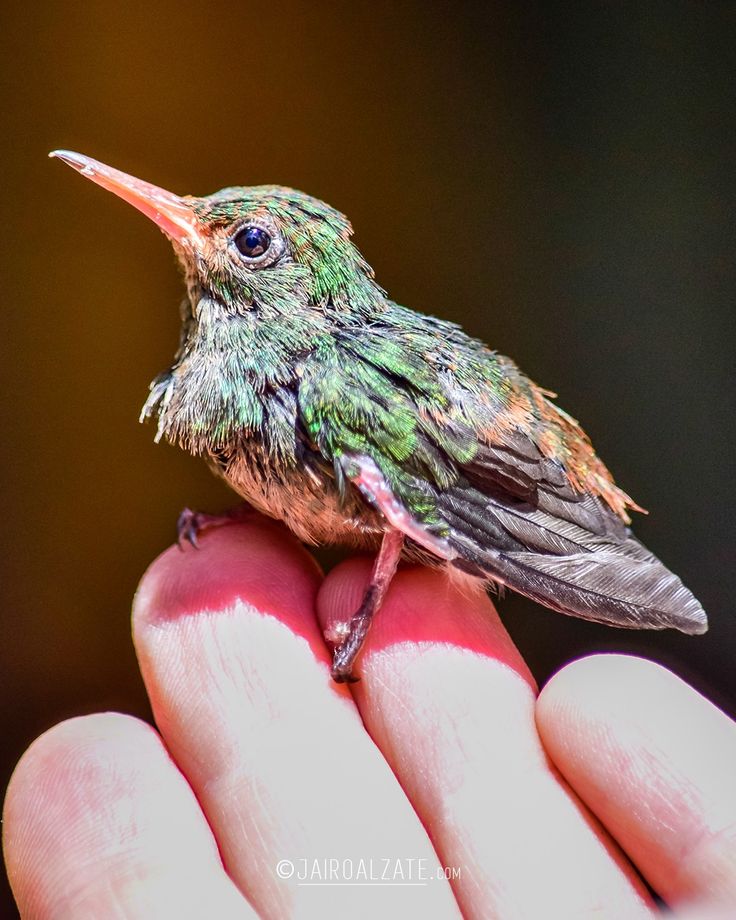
515,518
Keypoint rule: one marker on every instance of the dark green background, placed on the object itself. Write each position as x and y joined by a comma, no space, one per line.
557,178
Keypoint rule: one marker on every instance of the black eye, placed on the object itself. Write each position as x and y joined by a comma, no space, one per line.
252,241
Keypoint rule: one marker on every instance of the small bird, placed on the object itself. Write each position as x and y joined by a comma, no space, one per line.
357,421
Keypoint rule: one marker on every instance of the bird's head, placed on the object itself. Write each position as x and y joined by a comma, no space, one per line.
270,273
265,248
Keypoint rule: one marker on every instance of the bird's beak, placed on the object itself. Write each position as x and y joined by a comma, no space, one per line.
172,214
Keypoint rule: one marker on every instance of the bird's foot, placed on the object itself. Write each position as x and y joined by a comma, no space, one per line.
352,636
191,524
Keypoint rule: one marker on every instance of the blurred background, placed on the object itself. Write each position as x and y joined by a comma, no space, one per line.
558,178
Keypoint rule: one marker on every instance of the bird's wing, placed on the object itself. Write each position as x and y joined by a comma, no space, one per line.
473,462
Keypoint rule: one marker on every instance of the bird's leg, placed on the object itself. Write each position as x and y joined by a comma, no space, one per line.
384,567
192,523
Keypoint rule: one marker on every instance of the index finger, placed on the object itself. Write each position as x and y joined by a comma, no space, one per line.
274,750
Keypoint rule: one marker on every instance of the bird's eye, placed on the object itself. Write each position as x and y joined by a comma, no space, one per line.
252,241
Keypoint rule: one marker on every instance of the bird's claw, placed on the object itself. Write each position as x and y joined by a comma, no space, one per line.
191,524
187,528
341,676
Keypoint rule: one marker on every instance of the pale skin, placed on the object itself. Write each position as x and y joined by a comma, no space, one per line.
443,754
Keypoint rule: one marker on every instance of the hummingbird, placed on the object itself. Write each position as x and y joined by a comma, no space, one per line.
357,421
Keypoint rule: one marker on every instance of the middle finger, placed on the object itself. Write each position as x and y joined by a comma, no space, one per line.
448,699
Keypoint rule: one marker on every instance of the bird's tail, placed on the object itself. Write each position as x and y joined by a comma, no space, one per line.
622,585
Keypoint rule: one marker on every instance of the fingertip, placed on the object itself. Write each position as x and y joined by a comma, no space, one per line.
655,760
60,783
590,668
90,740
610,687
340,594
99,822
423,606
607,703
255,561
575,681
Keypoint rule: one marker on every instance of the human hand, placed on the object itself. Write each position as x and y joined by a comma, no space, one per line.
264,775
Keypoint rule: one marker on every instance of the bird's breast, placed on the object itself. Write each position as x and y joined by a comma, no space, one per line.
302,495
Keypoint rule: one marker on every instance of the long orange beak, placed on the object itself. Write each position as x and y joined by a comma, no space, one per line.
172,214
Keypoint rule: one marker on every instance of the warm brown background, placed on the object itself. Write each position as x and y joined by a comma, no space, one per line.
557,179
